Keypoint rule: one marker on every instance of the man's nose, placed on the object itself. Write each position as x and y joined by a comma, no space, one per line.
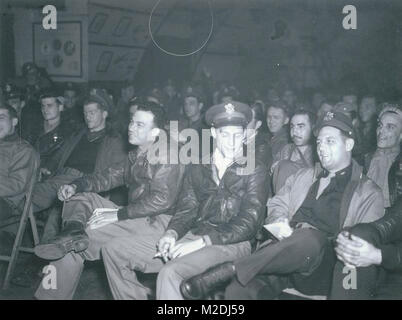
232,141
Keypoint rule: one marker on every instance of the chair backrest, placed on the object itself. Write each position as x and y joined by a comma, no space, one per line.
31,184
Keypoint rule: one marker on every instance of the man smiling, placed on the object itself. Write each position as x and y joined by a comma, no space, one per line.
314,204
380,243
218,213
298,154
153,189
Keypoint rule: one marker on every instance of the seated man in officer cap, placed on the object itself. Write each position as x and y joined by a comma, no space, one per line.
218,213
307,214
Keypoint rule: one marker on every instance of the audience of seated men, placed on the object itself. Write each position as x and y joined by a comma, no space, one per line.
310,211
154,182
93,148
219,211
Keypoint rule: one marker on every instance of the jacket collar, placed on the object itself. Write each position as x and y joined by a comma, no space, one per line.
357,171
152,157
11,138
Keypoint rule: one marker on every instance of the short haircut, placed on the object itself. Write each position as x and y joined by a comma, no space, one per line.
330,102
49,93
279,105
157,111
11,111
311,116
90,100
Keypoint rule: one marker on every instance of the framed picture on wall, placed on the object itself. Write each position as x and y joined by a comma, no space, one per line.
122,26
104,61
59,51
98,22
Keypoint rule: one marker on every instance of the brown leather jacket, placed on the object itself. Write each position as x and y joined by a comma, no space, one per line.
230,212
152,188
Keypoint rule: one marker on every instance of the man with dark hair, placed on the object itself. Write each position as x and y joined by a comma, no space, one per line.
48,135
298,154
17,161
91,149
379,243
305,216
216,222
91,221
202,232
193,114
277,122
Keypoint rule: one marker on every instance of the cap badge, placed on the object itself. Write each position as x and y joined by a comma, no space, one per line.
229,108
329,116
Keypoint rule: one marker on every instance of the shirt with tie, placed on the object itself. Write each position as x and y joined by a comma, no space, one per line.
322,205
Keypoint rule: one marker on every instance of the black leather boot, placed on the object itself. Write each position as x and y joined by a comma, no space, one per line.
214,278
72,238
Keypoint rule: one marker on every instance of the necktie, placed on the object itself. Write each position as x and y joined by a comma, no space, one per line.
324,182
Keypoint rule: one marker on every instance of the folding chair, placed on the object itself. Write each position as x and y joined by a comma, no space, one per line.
27,213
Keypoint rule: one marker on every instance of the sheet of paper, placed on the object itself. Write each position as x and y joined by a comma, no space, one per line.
279,229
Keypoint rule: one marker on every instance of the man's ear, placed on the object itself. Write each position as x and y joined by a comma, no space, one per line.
105,114
22,104
349,144
61,107
200,106
286,120
155,132
14,122
213,132
258,124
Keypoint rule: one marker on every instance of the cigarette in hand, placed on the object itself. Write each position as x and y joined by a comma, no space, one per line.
158,255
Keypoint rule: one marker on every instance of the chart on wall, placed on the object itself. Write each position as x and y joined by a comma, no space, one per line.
60,50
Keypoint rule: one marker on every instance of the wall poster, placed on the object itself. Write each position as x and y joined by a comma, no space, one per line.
60,50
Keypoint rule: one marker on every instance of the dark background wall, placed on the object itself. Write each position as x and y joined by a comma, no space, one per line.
245,46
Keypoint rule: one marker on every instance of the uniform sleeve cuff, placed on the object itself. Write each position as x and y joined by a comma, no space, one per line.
173,233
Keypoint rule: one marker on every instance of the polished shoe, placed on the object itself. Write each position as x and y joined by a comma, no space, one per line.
205,283
72,238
